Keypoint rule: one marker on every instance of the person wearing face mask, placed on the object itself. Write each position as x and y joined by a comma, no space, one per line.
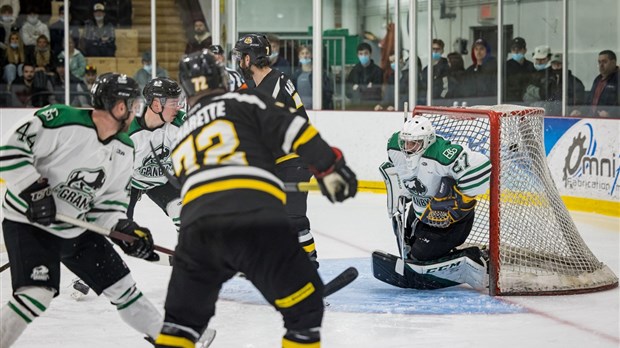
518,71
99,36
276,60
302,78
15,57
144,74
363,84
31,30
534,91
7,21
387,103
15,7
42,57
201,39
440,71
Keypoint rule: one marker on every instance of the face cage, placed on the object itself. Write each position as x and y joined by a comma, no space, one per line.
410,145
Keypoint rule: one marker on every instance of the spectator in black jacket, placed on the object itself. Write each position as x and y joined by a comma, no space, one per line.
276,60
363,85
440,71
202,37
302,79
604,95
57,32
456,76
518,71
99,35
481,76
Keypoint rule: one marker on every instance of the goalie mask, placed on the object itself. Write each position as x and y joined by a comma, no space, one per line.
418,134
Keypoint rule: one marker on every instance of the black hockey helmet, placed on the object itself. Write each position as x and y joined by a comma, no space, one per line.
199,71
161,87
256,46
112,87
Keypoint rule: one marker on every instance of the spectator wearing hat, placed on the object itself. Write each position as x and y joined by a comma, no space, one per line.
201,39
143,75
99,36
481,76
364,82
518,71
77,62
604,96
542,57
90,75
57,32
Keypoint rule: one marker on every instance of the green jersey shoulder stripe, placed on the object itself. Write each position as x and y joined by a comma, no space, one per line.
59,115
393,142
443,151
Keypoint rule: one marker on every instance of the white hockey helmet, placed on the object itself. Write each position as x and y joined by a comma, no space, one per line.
418,134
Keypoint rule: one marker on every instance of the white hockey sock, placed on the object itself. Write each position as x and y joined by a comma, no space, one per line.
134,308
27,304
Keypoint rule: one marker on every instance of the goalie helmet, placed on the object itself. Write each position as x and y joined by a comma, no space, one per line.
256,46
418,134
199,71
112,87
161,87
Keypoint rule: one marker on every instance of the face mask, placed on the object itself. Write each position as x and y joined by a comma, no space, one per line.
42,49
540,67
7,19
99,18
13,45
33,19
364,59
61,18
148,68
305,61
436,55
517,56
393,66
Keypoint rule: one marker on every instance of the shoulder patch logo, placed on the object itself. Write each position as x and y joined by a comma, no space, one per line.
40,273
450,152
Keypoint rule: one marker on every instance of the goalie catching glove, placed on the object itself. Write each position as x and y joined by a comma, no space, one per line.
338,182
449,205
142,247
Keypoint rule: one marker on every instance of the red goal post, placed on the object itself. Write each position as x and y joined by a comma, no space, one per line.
534,246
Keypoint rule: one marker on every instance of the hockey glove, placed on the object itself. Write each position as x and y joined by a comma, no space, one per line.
142,247
41,205
338,182
449,205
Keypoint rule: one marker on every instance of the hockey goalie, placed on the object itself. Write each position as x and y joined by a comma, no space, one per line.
432,186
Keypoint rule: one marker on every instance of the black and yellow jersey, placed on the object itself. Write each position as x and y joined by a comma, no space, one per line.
224,153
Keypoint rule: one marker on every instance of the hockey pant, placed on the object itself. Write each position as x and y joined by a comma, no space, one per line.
35,256
167,198
293,170
213,249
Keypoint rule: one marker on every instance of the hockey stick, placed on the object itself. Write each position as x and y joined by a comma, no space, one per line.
400,221
5,266
106,232
343,279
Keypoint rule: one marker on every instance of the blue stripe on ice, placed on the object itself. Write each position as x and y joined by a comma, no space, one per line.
369,295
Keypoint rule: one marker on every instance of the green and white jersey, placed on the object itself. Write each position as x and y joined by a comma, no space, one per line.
471,170
147,174
89,178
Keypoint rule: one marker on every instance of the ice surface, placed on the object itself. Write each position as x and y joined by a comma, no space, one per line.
368,313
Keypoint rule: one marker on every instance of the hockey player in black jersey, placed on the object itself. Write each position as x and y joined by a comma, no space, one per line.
233,217
75,162
251,55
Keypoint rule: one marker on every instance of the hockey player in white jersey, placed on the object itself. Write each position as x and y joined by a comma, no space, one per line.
78,163
432,187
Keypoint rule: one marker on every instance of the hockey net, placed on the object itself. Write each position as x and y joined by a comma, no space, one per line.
534,245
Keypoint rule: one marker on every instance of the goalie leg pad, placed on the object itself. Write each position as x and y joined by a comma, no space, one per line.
27,304
135,309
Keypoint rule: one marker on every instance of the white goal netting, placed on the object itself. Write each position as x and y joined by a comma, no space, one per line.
534,245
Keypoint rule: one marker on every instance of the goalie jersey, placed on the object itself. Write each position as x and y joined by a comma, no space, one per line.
147,173
471,170
89,178
225,153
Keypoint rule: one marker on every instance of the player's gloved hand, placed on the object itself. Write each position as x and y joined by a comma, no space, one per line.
142,247
449,205
338,182
41,205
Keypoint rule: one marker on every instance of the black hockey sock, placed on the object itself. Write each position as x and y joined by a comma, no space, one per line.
301,338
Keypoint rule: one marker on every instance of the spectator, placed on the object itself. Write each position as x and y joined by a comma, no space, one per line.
57,32
276,60
456,76
364,81
77,62
440,71
43,58
542,57
201,39
90,75
99,36
58,83
535,89
15,6
518,71
302,79
32,89
32,29
604,95
119,13
15,58
7,23
143,75
481,76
